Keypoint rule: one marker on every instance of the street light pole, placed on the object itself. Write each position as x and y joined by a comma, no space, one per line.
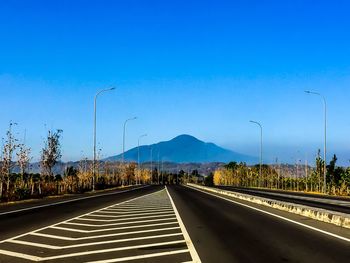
152,163
261,148
131,119
138,154
325,138
95,116
158,167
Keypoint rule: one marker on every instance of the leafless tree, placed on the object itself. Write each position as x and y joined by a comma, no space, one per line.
9,147
50,154
23,159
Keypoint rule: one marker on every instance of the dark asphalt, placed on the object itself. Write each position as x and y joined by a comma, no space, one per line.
340,204
143,229
226,232
25,221
321,196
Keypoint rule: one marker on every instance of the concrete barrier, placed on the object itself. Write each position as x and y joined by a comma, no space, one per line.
332,217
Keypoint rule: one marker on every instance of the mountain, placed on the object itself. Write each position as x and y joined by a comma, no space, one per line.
184,149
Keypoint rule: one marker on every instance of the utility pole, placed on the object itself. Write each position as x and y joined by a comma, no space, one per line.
138,156
124,132
261,150
158,167
94,153
152,163
325,139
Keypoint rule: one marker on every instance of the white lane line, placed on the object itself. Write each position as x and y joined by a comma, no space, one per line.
102,236
103,251
142,207
34,244
68,201
110,229
118,220
35,258
277,216
192,249
162,254
133,212
118,224
43,228
123,216
20,255
320,200
138,208
122,208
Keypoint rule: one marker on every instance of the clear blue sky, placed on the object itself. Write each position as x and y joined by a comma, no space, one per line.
203,68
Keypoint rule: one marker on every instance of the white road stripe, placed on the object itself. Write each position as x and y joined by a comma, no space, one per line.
316,199
145,207
142,256
102,236
110,211
129,215
34,244
277,216
85,253
19,236
110,229
19,255
123,216
192,249
124,223
123,219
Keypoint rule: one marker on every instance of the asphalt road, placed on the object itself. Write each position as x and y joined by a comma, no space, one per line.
16,219
136,226
338,204
226,232
173,224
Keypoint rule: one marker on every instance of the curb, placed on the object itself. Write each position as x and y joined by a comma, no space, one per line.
332,217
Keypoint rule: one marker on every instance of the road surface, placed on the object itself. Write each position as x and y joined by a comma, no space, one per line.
338,204
172,224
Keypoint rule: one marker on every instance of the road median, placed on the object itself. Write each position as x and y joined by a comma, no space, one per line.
328,216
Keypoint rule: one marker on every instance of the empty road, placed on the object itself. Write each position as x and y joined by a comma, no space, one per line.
338,204
166,224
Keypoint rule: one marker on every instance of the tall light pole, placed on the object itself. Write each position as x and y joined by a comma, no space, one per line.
138,153
158,166
152,163
124,130
261,148
325,138
95,115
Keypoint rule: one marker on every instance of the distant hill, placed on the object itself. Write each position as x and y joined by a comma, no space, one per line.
184,149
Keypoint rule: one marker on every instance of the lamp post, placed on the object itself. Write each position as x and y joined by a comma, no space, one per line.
95,115
138,154
261,148
131,119
325,138
152,163
158,166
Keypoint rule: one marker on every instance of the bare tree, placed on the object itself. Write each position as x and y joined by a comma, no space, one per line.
50,154
23,159
9,147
